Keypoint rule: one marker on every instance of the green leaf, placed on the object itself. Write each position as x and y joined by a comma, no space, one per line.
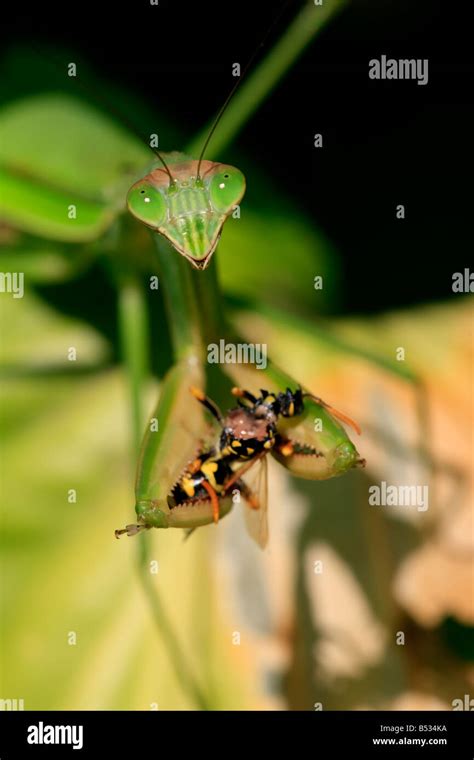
44,211
56,152
64,142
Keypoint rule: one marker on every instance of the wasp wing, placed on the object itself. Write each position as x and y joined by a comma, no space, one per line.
253,486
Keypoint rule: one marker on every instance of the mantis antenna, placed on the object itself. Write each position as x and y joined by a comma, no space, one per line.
221,112
236,85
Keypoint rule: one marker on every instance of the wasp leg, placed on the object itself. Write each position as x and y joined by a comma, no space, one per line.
205,401
252,500
285,448
214,500
335,412
242,470
240,393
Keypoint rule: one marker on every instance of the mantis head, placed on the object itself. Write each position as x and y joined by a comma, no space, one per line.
189,204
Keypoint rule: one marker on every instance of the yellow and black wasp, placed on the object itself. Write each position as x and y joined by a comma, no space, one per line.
248,432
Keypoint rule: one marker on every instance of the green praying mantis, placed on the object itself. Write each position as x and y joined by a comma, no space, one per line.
187,202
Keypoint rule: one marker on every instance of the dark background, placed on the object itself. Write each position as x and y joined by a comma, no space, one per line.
385,143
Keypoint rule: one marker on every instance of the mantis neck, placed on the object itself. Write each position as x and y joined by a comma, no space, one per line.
193,303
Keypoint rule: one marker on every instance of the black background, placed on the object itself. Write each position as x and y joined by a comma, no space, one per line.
385,143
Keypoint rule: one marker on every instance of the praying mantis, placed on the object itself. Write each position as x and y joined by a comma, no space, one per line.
187,202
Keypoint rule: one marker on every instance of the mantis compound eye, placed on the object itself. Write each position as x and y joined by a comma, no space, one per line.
226,189
147,204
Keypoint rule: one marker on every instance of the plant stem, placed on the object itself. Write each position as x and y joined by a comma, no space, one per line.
259,84
133,327
173,648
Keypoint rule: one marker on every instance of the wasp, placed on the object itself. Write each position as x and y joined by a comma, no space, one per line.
232,465
248,432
